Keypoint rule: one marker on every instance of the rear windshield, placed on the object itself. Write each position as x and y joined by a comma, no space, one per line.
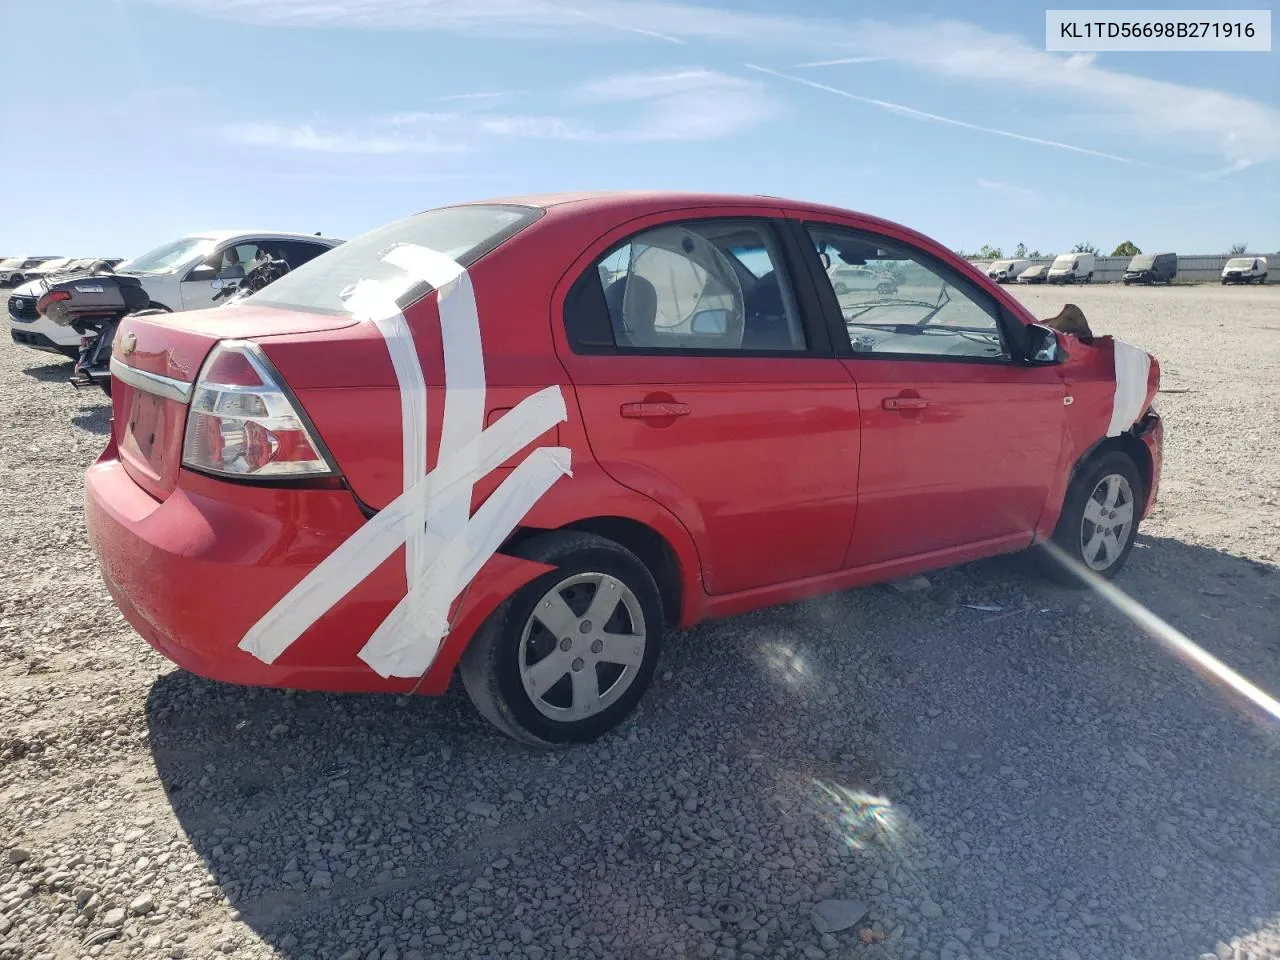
463,233
1143,261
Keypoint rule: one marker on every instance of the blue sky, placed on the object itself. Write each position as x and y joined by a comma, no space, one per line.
135,121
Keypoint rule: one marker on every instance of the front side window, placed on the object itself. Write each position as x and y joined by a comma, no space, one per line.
704,285
903,302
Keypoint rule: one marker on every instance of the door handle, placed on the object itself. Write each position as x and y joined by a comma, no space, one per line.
904,403
653,410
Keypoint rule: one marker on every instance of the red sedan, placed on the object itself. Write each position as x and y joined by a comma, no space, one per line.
525,438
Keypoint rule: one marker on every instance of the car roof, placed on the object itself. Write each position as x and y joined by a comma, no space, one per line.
621,205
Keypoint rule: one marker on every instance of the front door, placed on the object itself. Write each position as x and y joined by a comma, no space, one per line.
960,440
704,389
228,264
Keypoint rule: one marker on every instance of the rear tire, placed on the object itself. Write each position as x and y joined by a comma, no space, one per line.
540,670
1099,521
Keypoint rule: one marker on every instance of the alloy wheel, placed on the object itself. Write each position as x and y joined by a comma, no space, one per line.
1107,522
582,647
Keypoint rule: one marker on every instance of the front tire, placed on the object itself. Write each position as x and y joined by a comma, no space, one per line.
568,656
1099,521
841,289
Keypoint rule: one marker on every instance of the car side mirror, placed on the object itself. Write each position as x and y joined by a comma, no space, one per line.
1043,346
710,323
202,272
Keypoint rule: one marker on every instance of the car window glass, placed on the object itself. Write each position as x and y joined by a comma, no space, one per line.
298,252
708,285
464,233
896,301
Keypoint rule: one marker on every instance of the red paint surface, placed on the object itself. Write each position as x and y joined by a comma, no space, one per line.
778,478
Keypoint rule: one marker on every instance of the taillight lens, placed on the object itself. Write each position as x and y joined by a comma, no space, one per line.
50,298
242,423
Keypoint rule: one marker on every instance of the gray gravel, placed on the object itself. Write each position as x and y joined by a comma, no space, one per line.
1038,781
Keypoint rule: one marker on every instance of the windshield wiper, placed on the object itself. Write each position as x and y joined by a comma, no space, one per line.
889,302
944,298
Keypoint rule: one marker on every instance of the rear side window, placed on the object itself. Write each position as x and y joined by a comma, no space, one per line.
464,233
712,286
295,252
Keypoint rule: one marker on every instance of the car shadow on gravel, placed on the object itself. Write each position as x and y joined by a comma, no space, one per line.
95,419
49,372
1009,782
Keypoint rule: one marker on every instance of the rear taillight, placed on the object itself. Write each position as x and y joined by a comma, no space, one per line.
243,423
51,297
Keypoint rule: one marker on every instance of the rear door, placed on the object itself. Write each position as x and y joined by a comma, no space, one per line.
707,383
960,440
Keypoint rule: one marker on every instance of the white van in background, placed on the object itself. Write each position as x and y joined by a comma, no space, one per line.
1245,270
1006,271
1072,268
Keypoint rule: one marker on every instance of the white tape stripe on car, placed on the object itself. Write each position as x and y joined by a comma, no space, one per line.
433,512
1133,367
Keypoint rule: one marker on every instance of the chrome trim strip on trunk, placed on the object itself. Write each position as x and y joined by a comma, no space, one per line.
152,383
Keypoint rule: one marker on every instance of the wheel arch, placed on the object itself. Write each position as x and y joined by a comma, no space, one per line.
652,548
1126,443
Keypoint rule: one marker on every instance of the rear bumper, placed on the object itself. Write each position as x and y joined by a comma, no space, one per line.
38,341
193,573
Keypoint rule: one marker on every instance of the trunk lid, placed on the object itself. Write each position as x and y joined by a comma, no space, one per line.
161,355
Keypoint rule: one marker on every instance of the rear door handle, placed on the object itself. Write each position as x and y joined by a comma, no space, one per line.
653,410
904,403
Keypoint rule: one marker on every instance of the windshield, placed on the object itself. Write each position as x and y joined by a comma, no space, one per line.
1064,261
1143,261
169,257
10,262
463,233
1240,263
999,265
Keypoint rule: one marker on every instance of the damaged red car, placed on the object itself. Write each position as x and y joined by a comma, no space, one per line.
524,439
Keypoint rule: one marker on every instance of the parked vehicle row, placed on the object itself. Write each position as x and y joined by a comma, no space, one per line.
639,411
1148,268
184,274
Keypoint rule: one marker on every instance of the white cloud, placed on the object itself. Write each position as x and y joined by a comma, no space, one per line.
1187,118
839,62
486,95
913,113
688,104
683,105
305,136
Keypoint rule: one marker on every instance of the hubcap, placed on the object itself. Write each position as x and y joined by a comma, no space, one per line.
582,646
1107,523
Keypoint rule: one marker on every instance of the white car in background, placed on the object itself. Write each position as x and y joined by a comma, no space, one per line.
180,275
177,276
12,269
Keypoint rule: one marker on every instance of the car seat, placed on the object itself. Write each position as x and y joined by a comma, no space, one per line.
633,309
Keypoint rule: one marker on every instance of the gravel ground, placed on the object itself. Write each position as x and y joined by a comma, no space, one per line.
1037,781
